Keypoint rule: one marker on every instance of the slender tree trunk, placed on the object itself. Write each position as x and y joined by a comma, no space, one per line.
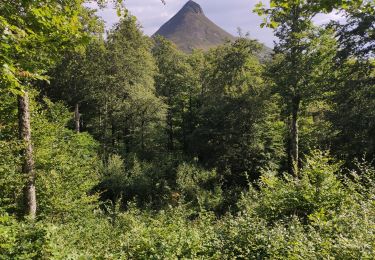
28,160
296,99
294,138
77,118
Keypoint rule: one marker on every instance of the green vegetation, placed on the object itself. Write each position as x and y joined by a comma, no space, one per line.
125,147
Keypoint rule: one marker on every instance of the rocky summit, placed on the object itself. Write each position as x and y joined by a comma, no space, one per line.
191,29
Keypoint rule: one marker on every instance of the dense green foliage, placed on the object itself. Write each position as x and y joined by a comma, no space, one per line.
141,151
321,215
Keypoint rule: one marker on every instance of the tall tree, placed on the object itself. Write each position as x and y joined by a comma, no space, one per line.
176,82
303,56
68,77
34,33
353,116
27,49
122,92
356,36
232,114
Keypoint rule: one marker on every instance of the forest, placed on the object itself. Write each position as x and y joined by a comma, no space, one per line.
117,145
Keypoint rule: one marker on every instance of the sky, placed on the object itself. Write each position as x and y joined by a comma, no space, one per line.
228,14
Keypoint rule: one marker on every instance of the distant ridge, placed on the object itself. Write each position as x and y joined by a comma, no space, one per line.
190,29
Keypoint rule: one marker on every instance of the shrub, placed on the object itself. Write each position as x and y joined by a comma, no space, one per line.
199,187
317,190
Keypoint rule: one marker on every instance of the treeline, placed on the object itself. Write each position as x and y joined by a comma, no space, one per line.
125,147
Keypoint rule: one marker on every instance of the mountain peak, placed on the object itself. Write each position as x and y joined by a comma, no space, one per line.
192,6
190,29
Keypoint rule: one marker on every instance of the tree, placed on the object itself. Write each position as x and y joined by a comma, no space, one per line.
34,34
356,36
353,116
303,56
69,76
126,112
354,87
233,133
177,83
67,83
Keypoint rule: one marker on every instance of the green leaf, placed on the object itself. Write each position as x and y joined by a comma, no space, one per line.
273,24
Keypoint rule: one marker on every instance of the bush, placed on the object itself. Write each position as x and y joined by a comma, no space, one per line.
199,187
23,240
316,190
66,165
142,182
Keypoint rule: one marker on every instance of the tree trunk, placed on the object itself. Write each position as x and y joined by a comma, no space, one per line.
28,160
77,118
294,139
